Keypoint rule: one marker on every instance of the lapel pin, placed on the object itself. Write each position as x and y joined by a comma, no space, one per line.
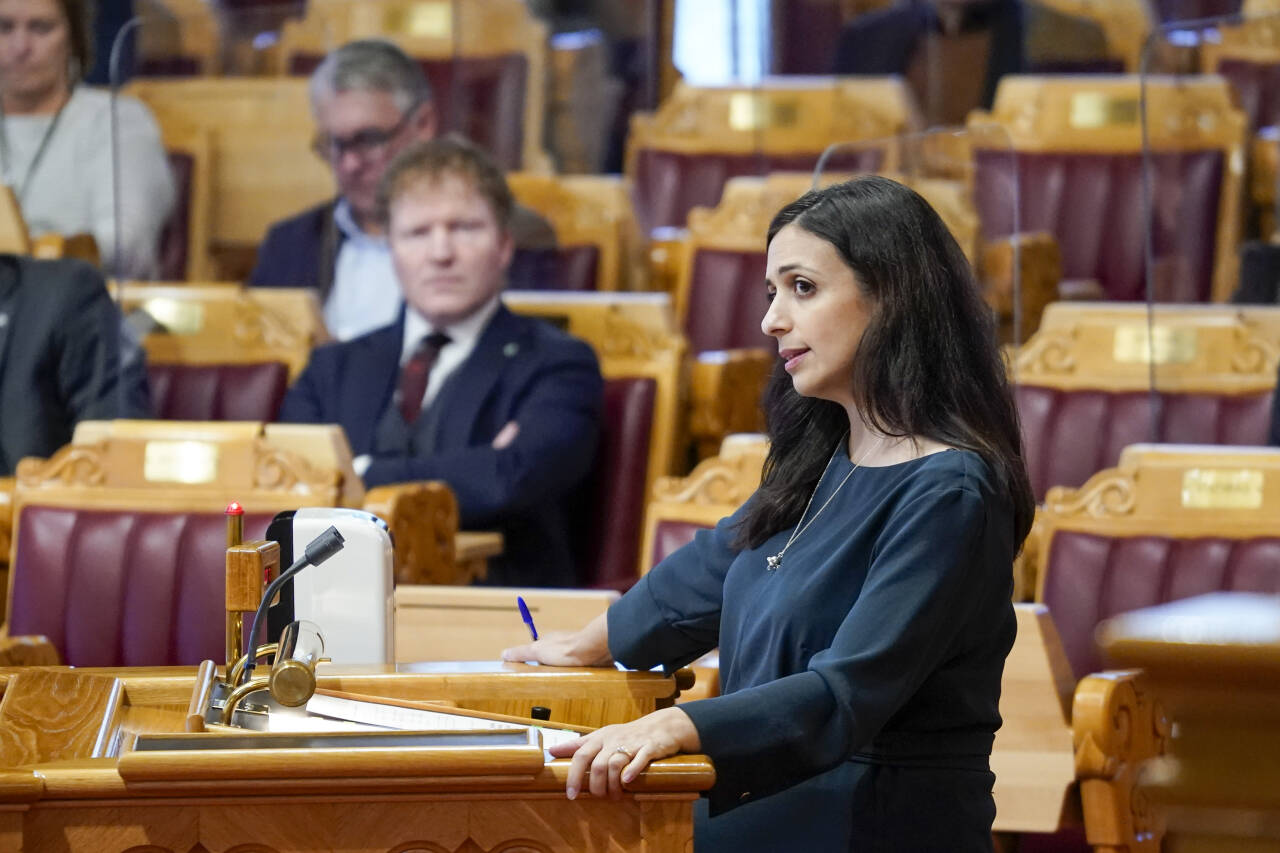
511,349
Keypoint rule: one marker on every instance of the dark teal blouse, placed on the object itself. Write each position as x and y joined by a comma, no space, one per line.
860,676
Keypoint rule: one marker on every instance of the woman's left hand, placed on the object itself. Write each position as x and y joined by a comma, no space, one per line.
613,755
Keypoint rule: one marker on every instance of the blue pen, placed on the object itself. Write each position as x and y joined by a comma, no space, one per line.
526,616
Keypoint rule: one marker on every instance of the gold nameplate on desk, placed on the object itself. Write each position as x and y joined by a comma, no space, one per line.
424,20
1165,345
1097,109
180,462
179,317
753,111
1222,488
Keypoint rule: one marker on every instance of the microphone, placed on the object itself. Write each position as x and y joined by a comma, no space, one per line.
317,551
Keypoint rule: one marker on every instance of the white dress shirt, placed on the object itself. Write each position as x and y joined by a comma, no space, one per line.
366,294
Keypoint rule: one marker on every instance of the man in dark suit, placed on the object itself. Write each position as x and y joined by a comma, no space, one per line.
370,101
503,408
60,357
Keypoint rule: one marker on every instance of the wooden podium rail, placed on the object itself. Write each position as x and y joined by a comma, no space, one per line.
71,780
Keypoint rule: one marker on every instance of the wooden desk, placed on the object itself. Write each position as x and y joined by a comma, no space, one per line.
72,797
1215,660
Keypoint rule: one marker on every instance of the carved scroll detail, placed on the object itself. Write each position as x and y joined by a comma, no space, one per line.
1112,496
1117,725
276,469
1253,355
256,326
1049,352
715,481
72,465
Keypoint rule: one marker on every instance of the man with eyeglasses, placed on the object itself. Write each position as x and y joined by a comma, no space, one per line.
370,101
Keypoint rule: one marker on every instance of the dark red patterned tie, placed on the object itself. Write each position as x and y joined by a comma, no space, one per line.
416,371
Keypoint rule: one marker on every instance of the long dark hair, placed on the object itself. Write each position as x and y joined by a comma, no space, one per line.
928,364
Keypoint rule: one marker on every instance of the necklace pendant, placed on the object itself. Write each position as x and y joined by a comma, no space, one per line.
773,562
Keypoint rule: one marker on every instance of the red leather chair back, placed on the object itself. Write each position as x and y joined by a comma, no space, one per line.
174,246
1257,86
1070,435
726,301
1090,578
1190,10
1093,205
480,97
669,184
217,392
613,521
559,268
123,588
671,535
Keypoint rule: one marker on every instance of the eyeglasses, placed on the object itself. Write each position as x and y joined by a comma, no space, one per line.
365,144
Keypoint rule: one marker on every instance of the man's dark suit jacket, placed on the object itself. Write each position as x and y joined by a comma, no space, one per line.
60,356
301,251
521,370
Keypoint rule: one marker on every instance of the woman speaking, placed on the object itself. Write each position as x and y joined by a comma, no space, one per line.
861,597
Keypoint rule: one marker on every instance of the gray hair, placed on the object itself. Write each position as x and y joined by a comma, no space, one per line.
371,65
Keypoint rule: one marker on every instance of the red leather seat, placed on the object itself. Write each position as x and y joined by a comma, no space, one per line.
727,301
480,97
174,240
1070,435
669,184
1093,205
559,268
123,588
217,392
612,521
1190,10
1091,578
671,535
1257,86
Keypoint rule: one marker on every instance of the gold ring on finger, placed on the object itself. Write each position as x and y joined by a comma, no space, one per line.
624,751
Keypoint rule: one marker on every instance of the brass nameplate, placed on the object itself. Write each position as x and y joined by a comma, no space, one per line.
425,20
1097,109
1222,488
1164,345
177,316
180,462
754,111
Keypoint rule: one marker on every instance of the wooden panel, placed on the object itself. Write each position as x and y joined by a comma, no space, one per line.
56,714
1033,757
477,623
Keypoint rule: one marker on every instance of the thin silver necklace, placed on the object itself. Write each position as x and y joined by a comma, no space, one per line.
25,183
772,564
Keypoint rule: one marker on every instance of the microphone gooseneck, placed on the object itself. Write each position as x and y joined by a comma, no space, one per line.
317,551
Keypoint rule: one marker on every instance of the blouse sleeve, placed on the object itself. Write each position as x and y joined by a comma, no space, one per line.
672,615
937,557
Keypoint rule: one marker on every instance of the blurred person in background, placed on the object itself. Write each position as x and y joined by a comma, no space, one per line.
56,139
370,101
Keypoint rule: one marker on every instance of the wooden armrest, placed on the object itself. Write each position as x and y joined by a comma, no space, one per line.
1039,262
423,520
725,389
80,246
1118,724
6,518
666,248
31,650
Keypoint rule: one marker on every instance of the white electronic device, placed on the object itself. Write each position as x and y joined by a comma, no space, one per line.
350,596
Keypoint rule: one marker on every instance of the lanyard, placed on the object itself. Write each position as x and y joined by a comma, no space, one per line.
40,150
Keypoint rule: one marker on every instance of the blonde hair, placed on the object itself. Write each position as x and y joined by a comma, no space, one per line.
431,160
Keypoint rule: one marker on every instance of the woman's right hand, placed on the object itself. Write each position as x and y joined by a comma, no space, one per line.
586,647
